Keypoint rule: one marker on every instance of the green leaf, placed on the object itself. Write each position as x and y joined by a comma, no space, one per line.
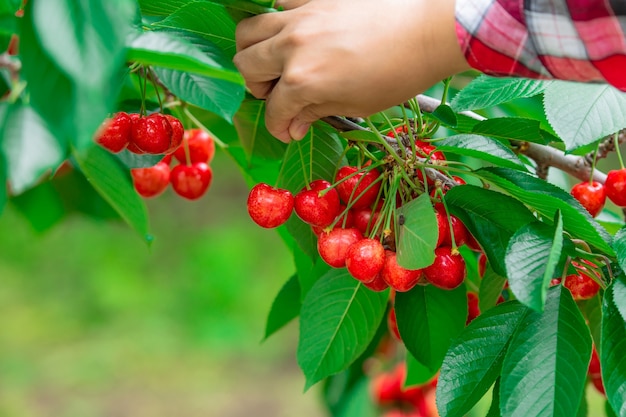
358,401
531,259
114,184
30,204
416,372
545,367
490,289
428,319
286,306
255,139
208,20
612,358
486,91
514,128
309,269
133,160
417,237
316,156
84,38
480,147
445,115
494,408
547,199
583,113
475,358
339,318
161,7
491,217
619,244
29,148
592,310
165,49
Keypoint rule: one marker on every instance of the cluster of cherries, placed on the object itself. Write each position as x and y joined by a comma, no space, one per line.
162,134
592,195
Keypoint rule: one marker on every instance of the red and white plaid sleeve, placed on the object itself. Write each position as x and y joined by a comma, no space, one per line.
577,40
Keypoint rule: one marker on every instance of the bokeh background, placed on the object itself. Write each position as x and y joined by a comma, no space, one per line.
96,323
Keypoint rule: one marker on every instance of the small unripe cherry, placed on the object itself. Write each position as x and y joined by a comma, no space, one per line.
333,245
365,259
269,207
448,270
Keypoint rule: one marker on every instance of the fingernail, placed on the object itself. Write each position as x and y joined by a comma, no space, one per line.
298,130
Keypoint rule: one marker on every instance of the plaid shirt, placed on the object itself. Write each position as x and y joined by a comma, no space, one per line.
578,40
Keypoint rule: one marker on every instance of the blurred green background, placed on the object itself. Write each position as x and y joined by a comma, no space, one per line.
95,323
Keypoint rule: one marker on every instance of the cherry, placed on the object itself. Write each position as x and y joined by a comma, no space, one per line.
482,264
378,284
397,277
151,181
591,196
114,134
387,387
442,224
473,310
615,186
269,207
333,245
152,134
177,134
315,208
594,363
598,384
392,324
459,230
448,269
200,144
365,217
581,285
365,259
429,150
357,189
191,181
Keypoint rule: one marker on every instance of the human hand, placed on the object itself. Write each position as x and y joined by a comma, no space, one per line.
349,57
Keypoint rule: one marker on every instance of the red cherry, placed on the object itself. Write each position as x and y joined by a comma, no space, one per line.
448,269
482,264
177,133
397,277
357,189
269,207
387,387
615,186
429,150
392,324
191,181
114,134
333,245
378,284
365,259
591,196
201,147
594,363
473,310
598,384
459,230
365,217
315,208
582,286
151,181
152,134
442,224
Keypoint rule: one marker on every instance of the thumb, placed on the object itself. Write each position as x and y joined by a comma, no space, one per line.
301,123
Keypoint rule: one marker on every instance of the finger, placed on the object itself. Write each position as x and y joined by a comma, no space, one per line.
281,108
256,29
290,4
259,63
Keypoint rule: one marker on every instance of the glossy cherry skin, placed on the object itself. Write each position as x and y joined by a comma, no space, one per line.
397,277
365,219
200,144
177,133
447,271
317,209
429,150
191,181
333,245
392,324
365,259
152,134
114,134
442,225
378,284
151,181
358,189
268,206
615,186
591,195
581,285
473,310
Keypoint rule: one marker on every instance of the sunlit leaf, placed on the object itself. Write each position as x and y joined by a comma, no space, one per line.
418,233
547,360
486,91
531,259
480,147
339,318
612,358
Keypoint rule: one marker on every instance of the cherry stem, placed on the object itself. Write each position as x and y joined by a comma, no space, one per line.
150,75
412,134
200,125
593,164
439,193
142,92
306,180
619,154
